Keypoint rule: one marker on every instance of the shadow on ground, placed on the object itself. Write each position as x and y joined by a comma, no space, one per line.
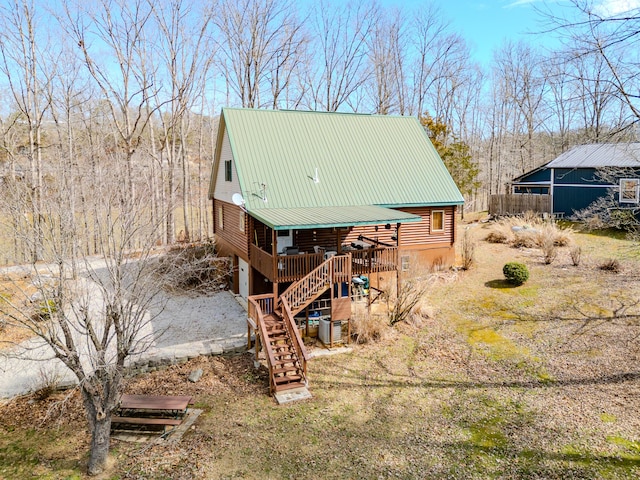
500,283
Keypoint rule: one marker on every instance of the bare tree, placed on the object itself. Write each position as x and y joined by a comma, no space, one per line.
525,87
340,40
185,54
25,51
386,55
94,322
426,39
560,103
121,77
596,29
259,42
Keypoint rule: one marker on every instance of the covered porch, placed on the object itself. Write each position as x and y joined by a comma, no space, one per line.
287,245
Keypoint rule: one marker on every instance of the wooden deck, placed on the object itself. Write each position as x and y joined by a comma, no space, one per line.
291,268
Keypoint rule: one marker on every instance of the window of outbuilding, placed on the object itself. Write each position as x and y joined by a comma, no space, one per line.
629,190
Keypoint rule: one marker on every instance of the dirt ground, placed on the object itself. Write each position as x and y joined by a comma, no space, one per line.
491,381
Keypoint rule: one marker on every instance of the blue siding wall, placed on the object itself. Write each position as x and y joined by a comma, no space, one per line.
584,176
543,175
531,190
570,199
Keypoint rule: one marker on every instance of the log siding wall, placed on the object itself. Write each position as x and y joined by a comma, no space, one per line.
420,234
230,234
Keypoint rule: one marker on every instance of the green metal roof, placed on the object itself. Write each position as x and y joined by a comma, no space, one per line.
297,159
326,217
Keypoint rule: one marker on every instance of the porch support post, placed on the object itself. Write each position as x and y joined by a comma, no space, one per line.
398,260
453,222
274,265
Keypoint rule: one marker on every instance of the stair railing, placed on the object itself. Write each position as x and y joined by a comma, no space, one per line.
300,293
294,335
271,359
258,307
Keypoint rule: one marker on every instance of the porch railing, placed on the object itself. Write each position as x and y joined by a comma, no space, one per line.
291,268
294,267
262,261
373,260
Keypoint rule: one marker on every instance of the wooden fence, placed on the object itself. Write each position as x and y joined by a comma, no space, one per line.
519,203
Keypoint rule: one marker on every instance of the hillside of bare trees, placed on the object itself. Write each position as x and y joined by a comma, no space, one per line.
105,89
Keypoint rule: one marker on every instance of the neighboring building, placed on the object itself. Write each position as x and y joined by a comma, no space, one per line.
573,180
314,207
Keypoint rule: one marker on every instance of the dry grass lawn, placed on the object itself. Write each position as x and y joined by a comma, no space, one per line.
537,381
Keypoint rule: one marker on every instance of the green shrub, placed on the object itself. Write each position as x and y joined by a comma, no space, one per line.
516,273
45,309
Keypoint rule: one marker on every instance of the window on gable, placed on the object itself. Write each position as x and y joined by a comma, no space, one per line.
629,190
241,222
437,220
227,170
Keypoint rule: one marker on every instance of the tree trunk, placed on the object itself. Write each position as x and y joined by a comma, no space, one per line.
99,420
99,452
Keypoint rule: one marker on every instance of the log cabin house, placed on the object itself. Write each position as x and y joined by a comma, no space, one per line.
314,207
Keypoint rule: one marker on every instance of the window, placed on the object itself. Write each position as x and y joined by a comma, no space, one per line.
437,220
241,222
404,263
629,190
227,170
220,218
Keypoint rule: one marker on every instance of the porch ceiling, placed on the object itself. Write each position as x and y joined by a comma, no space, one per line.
327,217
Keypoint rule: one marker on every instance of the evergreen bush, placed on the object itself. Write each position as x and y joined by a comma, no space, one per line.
516,273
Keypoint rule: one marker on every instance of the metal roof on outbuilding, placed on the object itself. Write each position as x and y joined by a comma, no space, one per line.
599,155
294,159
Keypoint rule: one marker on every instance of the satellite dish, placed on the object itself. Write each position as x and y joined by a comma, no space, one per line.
237,199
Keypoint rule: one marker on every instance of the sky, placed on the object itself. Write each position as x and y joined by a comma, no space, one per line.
485,24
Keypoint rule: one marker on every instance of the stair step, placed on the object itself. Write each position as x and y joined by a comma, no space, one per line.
273,333
286,361
277,371
287,379
279,338
283,353
289,386
285,356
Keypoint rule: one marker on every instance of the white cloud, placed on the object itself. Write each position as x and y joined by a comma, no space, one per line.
609,8
517,3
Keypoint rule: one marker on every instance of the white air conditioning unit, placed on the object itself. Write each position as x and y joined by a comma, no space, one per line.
336,331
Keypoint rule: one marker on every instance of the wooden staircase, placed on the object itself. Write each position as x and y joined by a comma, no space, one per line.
334,270
286,369
274,322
